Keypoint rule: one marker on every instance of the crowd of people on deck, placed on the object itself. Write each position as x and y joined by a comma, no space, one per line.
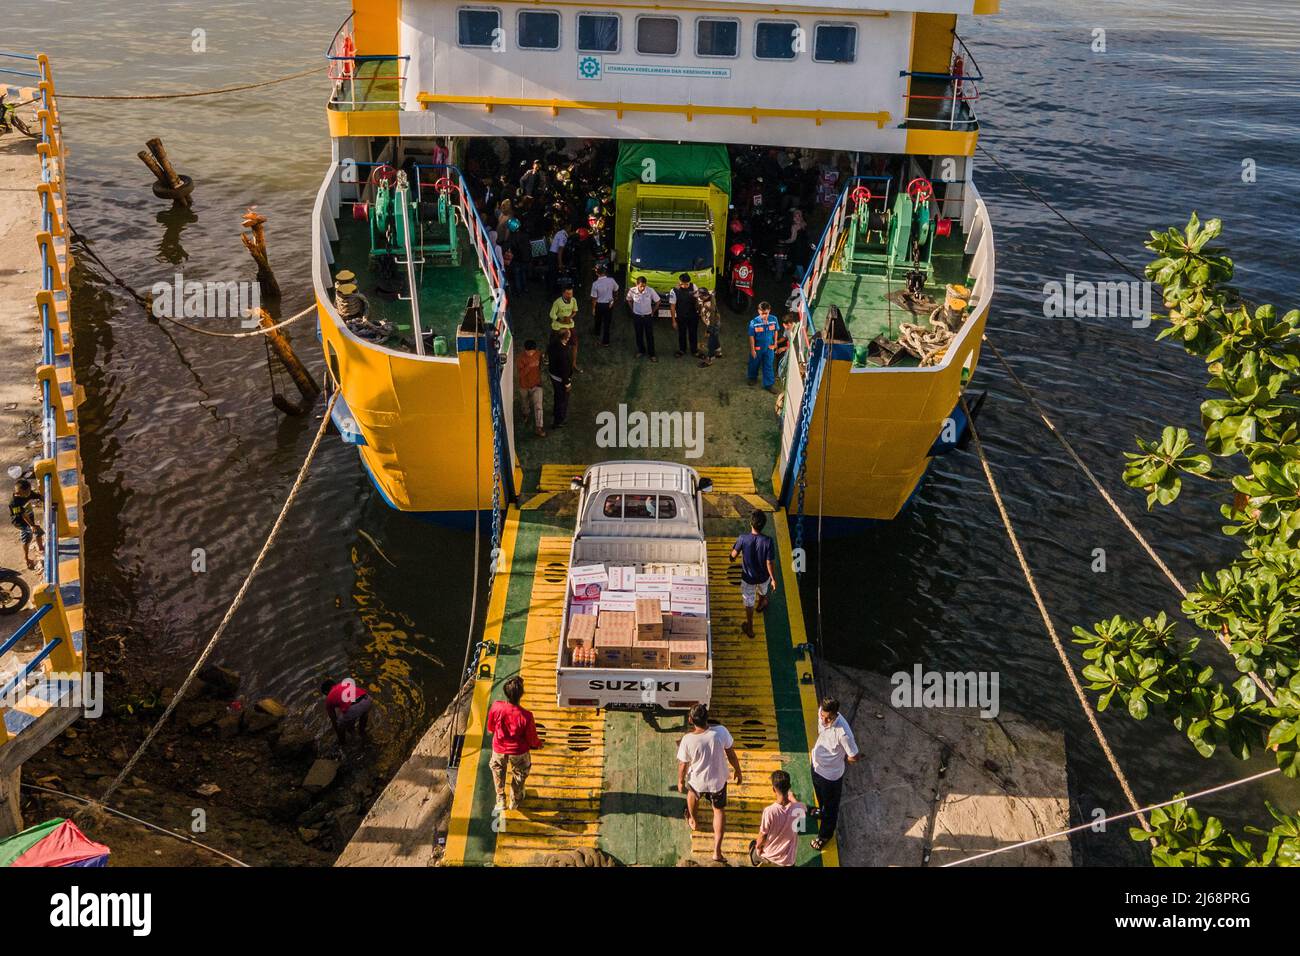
549,209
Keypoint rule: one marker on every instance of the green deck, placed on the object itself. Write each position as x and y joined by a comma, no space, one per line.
864,298
444,289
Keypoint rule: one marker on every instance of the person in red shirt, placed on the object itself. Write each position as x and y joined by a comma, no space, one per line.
347,705
514,735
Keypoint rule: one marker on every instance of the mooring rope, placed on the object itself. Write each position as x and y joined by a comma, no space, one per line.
1064,218
178,96
1259,682
144,823
234,605
1047,621
144,303
243,335
1119,816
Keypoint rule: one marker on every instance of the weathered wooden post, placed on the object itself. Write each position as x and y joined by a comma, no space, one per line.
256,245
278,342
170,184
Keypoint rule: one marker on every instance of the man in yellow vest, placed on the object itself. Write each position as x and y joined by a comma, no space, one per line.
563,312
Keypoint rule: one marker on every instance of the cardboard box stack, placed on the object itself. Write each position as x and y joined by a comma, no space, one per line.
652,618
582,631
615,636
688,623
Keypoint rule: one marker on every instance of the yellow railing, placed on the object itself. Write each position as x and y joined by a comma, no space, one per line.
59,468
689,110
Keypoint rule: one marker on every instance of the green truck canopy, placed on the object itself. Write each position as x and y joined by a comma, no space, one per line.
676,164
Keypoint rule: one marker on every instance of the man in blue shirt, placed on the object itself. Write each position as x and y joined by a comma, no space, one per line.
757,571
763,332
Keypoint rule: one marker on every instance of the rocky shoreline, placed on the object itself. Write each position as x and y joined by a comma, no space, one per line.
239,773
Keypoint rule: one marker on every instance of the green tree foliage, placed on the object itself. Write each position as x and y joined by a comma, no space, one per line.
1251,426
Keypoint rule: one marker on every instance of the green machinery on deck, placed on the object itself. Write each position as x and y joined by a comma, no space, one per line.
905,241
395,215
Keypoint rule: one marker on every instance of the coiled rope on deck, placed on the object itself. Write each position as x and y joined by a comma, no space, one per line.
1047,622
234,605
179,96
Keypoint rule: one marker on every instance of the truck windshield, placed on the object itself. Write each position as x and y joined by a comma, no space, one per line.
672,250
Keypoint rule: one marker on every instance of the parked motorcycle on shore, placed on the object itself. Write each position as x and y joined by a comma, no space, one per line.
14,592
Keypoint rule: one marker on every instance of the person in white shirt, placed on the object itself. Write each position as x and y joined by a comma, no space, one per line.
834,749
643,301
603,291
557,255
702,759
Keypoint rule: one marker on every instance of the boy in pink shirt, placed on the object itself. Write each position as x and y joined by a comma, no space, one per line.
778,833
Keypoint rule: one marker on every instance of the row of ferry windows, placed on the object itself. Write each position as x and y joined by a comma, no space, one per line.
658,35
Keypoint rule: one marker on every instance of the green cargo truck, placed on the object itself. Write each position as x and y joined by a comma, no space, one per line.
671,201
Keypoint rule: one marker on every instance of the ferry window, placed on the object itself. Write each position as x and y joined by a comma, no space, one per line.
835,43
775,39
477,26
715,37
613,506
657,36
598,33
539,30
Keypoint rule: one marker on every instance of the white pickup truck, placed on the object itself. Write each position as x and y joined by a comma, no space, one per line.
639,538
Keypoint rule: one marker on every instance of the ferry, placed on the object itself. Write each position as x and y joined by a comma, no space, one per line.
816,154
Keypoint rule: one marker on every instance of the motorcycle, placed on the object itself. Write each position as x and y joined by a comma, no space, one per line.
14,592
741,279
10,120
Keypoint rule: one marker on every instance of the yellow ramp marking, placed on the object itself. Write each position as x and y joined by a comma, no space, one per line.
467,776
734,481
562,806
743,703
830,856
537,501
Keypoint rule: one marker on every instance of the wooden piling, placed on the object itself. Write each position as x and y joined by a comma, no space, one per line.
161,166
302,377
256,245
146,157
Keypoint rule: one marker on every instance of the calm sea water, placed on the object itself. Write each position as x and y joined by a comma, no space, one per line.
185,451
